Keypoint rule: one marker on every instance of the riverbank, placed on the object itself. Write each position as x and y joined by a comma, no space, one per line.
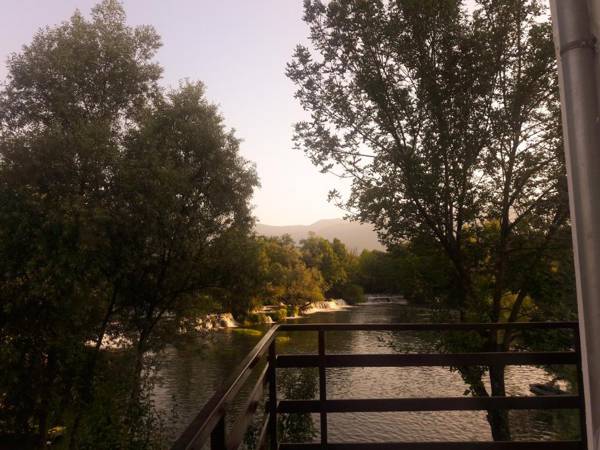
265,315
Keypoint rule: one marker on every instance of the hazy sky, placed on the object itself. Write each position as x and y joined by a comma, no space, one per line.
239,49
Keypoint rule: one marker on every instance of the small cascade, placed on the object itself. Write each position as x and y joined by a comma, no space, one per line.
215,321
327,305
268,319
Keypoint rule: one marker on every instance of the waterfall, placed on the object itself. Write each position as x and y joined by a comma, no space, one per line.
327,305
215,321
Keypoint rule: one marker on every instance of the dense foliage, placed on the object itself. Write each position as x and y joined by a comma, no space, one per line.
338,266
114,198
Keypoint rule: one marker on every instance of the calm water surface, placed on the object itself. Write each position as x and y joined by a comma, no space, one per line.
191,373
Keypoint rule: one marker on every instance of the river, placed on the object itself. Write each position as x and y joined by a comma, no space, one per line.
190,373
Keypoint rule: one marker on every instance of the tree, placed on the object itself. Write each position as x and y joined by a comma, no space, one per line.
114,195
337,266
67,96
318,253
287,279
180,187
447,121
388,272
237,272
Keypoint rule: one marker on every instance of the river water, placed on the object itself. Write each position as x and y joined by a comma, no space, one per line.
191,372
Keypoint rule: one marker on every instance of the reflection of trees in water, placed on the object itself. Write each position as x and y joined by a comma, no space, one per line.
524,424
297,384
293,384
561,424
193,368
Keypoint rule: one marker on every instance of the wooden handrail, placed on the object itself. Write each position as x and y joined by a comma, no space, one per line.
462,326
429,359
203,424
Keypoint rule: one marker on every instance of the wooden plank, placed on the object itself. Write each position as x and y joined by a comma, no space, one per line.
322,388
513,445
426,326
217,435
273,440
430,404
431,359
261,442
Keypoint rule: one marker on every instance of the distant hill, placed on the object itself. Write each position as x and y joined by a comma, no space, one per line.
355,235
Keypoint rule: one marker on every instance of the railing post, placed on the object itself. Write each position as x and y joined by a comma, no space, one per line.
217,436
273,441
322,388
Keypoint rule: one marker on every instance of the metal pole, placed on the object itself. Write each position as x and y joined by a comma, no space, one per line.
577,61
594,9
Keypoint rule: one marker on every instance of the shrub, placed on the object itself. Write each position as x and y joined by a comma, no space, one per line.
293,311
279,315
352,293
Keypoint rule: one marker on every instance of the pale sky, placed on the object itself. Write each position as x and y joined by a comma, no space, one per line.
239,49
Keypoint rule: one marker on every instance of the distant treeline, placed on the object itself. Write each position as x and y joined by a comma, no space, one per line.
313,270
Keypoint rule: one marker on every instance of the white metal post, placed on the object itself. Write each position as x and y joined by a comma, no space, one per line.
577,54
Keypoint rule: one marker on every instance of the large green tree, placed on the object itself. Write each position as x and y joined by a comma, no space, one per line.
336,264
286,277
318,252
181,186
447,120
62,111
113,195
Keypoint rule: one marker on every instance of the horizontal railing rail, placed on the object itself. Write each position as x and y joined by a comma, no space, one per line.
427,326
430,359
429,404
210,423
513,445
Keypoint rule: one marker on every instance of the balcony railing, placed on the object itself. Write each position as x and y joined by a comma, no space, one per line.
210,424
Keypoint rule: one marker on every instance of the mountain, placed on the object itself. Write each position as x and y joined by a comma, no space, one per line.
355,235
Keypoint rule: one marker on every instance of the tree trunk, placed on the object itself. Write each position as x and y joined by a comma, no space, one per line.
136,380
87,390
44,407
498,418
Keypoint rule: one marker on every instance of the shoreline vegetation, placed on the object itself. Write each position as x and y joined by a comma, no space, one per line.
265,315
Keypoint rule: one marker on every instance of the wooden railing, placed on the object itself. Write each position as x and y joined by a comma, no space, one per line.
210,423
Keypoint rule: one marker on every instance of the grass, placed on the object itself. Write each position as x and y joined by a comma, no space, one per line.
247,331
